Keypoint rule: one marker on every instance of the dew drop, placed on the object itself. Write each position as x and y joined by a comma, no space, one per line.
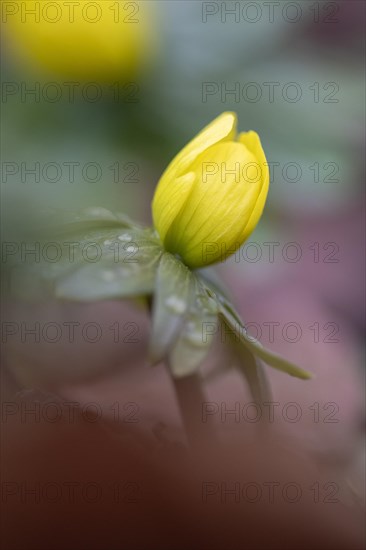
125,237
175,304
193,335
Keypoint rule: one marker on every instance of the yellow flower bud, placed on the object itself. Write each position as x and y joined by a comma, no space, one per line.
212,194
103,41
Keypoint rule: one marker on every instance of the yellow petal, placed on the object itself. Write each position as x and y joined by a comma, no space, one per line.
252,141
223,128
167,205
219,205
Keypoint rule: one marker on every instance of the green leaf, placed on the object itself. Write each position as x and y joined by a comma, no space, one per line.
174,283
272,359
251,369
114,276
91,259
196,335
211,279
232,319
92,217
255,375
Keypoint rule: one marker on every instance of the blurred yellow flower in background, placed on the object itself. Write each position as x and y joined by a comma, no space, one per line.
103,41
212,194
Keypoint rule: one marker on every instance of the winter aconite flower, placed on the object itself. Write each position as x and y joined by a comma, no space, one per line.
211,196
99,41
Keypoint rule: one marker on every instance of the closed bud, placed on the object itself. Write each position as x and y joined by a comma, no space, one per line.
212,194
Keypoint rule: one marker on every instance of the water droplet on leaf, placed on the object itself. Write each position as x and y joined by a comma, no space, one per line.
125,237
175,304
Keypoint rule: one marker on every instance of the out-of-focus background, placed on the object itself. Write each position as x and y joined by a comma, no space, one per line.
96,102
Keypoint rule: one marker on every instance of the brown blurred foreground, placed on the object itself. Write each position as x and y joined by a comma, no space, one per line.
93,485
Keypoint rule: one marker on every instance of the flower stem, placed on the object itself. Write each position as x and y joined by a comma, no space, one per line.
191,397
